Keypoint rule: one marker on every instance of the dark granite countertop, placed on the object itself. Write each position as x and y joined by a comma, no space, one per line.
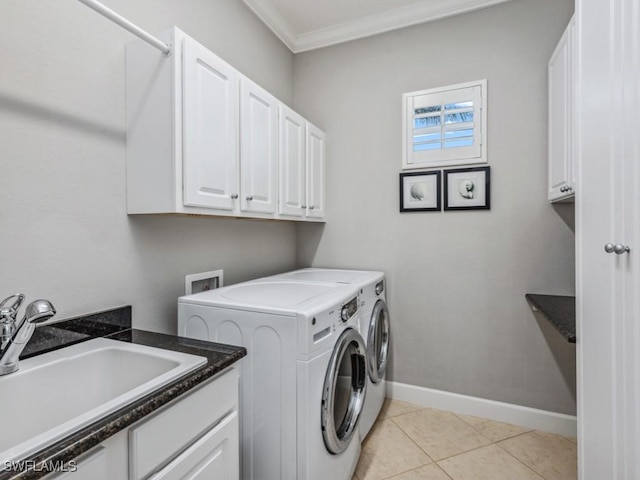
559,310
117,326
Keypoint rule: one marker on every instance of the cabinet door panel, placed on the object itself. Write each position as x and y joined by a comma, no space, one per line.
608,211
561,90
91,466
315,172
210,129
214,455
162,436
292,163
258,149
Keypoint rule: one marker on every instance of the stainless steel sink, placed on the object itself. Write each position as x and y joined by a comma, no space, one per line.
55,394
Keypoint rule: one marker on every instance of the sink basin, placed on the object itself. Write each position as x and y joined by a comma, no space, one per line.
56,394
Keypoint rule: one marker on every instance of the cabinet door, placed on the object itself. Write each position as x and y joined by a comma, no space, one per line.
187,419
561,88
258,149
210,129
91,466
292,163
315,172
107,461
608,212
216,455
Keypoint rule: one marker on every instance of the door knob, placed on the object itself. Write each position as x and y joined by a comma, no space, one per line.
249,198
618,248
234,196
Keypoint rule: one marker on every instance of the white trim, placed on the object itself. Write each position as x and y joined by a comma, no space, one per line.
420,12
444,157
503,412
272,18
190,279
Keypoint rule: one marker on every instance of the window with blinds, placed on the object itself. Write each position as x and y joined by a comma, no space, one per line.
445,126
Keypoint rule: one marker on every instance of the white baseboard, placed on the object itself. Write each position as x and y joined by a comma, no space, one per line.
503,412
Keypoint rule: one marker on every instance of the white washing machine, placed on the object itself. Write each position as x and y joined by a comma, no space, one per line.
303,382
374,328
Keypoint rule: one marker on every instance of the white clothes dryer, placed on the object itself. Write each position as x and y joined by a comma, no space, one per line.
303,382
374,328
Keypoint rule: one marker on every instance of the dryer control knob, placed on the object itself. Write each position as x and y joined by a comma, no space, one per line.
344,314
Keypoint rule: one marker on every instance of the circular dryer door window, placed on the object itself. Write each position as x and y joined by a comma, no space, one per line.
378,341
344,391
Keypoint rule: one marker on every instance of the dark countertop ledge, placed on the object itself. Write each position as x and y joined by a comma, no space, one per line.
559,310
219,357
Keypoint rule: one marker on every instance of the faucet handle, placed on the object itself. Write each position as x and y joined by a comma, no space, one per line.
9,307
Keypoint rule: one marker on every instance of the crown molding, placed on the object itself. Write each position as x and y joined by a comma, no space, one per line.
421,12
275,21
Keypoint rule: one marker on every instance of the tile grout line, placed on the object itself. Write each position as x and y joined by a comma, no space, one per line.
517,459
418,468
450,456
412,440
492,442
436,462
496,421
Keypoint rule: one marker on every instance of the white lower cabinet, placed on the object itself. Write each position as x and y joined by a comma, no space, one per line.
92,466
212,456
107,461
194,437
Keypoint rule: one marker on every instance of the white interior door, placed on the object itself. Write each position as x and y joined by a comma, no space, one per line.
608,212
210,128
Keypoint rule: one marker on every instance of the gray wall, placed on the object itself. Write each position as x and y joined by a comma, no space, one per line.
456,280
65,232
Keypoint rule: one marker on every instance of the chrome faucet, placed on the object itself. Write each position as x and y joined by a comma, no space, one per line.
14,334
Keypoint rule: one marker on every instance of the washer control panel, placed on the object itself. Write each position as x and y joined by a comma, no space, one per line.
349,309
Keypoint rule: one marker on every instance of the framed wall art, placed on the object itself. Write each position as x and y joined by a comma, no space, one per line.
420,192
467,189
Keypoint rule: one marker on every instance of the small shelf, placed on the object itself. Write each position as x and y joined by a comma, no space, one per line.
559,310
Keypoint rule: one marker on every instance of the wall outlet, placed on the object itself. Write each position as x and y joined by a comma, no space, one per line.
201,282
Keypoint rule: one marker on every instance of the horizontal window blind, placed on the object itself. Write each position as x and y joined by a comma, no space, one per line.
444,126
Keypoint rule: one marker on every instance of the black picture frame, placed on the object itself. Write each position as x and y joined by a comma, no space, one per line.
474,181
420,196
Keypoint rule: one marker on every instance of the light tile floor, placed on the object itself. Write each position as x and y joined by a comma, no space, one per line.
409,442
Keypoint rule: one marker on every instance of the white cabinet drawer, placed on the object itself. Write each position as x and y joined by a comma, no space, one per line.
158,440
91,466
214,455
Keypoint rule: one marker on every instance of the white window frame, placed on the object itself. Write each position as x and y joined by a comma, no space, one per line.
477,153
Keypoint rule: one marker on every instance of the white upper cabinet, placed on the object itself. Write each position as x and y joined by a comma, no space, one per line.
561,118
203,139
315,172
302,167
210,119
259,149
292,163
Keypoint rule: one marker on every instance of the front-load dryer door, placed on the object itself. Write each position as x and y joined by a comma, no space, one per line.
378,342
344,391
